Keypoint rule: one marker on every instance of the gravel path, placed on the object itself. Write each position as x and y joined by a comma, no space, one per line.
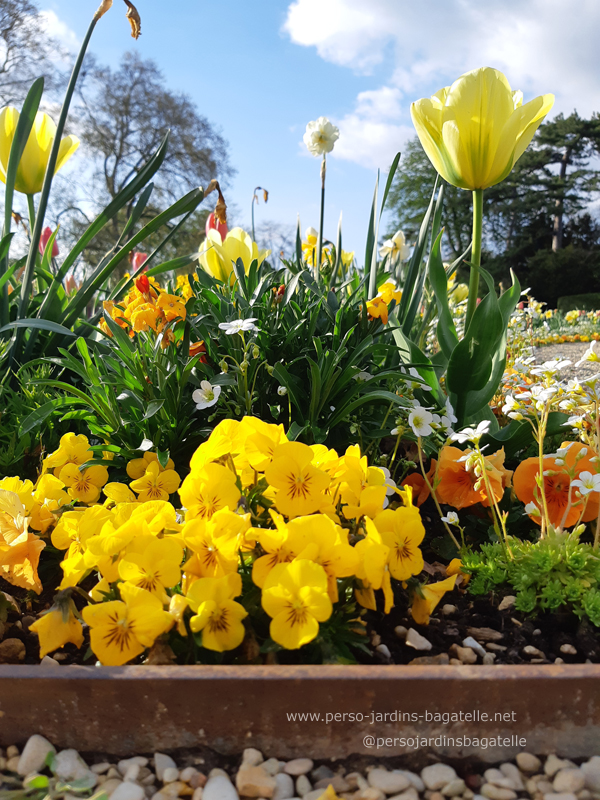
572,351
161,777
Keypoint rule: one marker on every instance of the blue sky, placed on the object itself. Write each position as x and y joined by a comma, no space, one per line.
260,71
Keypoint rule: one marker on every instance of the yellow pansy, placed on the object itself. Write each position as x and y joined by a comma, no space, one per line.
373,570
402,531
261,441
475,130
327,545
281,546
217,615
23,490
57,627
427,597
85,484
34,161
295,597
156,485
136,468
119,493
152,564
215,543
73,449
209,489
300,485
49,496
122,629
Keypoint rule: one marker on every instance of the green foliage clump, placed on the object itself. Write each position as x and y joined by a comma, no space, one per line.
545,575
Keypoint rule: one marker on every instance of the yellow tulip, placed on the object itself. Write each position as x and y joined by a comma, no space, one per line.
218,255
475,130
32,167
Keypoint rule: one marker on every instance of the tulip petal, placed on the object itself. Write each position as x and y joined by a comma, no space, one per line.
9,117
67,147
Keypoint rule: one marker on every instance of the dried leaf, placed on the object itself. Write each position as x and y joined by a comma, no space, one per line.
221,207
134,19
104,7
265,195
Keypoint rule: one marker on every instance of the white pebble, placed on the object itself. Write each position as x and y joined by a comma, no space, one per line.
303,785
34,754
128,791
474,645
436,776
161,763
298,766
416,641
387,782
252,757
493,792
400,631
568,781
568,649
170,775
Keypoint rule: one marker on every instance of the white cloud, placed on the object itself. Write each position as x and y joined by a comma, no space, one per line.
541,45
60,31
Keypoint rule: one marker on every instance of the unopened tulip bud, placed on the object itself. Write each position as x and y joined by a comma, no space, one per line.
212,223
44,239
136,259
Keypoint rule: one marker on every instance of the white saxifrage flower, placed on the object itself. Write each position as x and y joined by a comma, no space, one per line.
419,420
586,482
320,136
471,434
206,396
238,326
451,518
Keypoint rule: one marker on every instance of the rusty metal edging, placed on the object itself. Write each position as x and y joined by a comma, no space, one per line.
122,710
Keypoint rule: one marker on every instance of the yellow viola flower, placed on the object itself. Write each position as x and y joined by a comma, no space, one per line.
73,449
377,309
122,629
136,468
158,515
281,546
49,496
23,490
217,615
218,255
156,485
84,485
295,597
58,626
72,533
19,549
171,305
300,485
34,161
226,439
119,493
373,570
328,546
370,504
215,543
152,564
177,607
402,531
261,441
427,597
209,489
475,130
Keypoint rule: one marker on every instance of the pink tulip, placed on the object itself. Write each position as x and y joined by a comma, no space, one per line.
137,260
220,227
46,234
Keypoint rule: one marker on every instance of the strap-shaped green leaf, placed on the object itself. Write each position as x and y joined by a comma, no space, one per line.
446,330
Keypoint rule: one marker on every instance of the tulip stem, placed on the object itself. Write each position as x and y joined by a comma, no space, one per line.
320,242
31,207
475,255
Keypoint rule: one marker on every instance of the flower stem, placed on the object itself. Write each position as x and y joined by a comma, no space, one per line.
321,220
475,255
432,492
31,209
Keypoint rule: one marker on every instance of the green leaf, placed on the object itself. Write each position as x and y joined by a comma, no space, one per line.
41,324
163,458
446,331
170,266
154,406
371,246
42,413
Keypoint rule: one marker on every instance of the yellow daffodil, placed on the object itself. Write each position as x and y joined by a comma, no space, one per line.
281,546
295,597
84,484
156,485
427,597
475,130
402,531
58,626
300,485
373,570
34,161
215,543
217,615
73,449
172,306
309,246
152,564
209,489
218,255
122,629
136,468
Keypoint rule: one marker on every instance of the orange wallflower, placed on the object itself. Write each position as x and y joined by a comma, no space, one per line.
457,486
419,485
556,487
